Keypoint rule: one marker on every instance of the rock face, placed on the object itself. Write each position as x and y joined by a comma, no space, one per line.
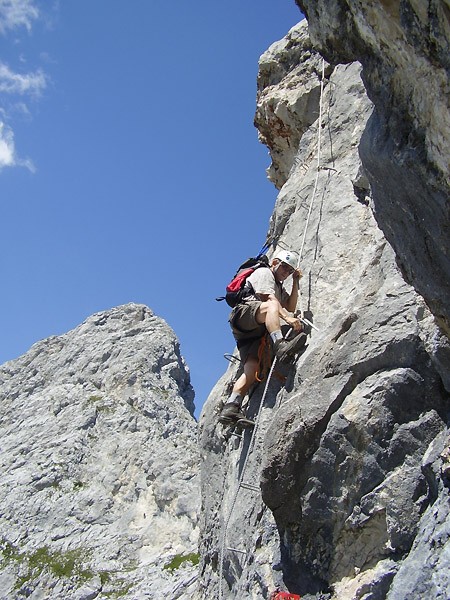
342,492
288,104
404,48
99,480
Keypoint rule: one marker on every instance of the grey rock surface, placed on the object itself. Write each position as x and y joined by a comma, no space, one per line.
345,491
404,50
288,100
99,477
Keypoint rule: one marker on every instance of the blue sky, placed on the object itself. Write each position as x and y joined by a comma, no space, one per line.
130,169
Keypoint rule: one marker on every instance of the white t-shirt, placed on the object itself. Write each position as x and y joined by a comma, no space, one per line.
263,282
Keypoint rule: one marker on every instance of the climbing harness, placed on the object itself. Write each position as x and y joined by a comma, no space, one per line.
264,359
232,358
241,483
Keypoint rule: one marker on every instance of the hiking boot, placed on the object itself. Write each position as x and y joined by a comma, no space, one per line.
283,348
231,412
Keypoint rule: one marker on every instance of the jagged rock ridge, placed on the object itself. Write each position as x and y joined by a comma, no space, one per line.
351,454
99,487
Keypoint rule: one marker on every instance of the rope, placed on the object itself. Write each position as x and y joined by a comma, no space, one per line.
233,503
253,437
319,144
319,141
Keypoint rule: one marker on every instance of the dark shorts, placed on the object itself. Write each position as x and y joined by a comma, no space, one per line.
246,330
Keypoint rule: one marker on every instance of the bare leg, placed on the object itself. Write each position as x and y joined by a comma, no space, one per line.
248,377
269,314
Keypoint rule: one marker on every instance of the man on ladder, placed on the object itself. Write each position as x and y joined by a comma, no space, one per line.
265,303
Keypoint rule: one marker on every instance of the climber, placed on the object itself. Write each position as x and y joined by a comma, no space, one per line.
258,314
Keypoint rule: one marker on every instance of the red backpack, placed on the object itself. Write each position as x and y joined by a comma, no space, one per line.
284,596
236,290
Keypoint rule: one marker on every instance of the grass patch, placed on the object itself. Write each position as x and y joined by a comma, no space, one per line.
61,564
67,565
179,559
9,553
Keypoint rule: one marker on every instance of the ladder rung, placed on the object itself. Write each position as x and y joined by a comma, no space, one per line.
236,550
238,435
249,486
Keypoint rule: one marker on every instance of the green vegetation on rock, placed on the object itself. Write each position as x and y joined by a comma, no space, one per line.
61,564
67,565
179,559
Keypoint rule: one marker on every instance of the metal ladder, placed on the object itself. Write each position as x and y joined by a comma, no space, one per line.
242,485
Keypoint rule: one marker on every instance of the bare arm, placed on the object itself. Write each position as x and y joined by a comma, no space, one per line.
291,303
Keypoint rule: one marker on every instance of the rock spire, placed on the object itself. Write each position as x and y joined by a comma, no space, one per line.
99,481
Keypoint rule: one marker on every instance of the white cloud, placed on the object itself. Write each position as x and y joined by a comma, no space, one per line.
22,85
6,147
17,13
21,109
8,157
16,83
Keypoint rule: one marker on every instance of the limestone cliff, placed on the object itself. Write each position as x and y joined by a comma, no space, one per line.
99,480
404,48
345,482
